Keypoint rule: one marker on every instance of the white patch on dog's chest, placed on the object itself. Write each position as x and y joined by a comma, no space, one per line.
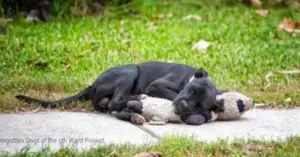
193,77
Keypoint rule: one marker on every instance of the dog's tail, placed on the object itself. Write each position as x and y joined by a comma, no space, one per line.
83,95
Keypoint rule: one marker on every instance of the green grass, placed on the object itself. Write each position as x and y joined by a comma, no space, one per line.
54,59
183,146
65,55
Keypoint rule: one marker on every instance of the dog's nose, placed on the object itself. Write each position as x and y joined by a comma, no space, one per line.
183,105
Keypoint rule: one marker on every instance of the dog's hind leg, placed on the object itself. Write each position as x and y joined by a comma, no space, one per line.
122,93
103,88
116,83
100,93
102,105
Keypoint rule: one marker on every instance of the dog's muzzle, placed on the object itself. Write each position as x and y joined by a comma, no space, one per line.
181,106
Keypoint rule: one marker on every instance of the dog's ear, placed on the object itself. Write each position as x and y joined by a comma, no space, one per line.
201,73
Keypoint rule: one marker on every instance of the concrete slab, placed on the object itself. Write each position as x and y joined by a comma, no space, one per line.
258,124
56,129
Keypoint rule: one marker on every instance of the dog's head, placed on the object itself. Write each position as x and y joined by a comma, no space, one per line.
200,91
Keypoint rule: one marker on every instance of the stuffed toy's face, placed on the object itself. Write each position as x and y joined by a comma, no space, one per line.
235,104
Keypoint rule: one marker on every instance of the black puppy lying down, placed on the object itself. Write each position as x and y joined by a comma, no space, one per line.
186,86
134,110
143,108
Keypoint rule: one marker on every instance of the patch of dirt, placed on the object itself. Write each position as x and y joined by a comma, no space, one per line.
9,104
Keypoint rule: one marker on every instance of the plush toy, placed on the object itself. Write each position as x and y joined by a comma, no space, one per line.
158,111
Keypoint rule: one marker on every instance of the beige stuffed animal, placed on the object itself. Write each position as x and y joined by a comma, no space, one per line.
158,111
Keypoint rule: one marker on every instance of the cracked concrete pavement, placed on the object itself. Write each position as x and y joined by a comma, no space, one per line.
86,130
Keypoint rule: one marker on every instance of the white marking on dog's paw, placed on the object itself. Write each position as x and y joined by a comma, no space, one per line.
214,116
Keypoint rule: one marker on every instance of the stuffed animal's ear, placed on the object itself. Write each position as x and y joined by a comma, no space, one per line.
219,107
201,73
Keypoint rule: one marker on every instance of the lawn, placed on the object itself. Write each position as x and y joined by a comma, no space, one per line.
58,58
184,147
61,57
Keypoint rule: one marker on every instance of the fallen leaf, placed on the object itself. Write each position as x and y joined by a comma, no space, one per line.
162,16
151,26
5,20
78,11
67,63
137,56
122,22
287,100
200,154
262,12
96,8
275,145
295,71
255,3
36,110
2,29
192,17
149,154
159,17
170,15
217,154
126,42
290,26
20,109
254,148
201,45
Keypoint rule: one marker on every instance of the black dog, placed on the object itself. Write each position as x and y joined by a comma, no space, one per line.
195,102
184,84
134,109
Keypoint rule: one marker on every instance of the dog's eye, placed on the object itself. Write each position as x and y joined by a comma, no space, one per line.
191,90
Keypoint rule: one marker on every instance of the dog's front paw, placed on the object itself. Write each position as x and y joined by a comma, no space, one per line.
195,119
214,116
138,119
